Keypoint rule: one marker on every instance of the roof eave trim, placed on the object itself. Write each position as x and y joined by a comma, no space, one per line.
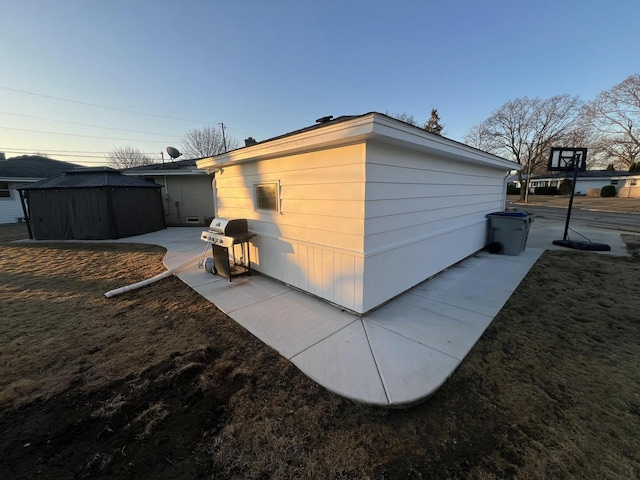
341,133
168,172
391,131
362,128
21,179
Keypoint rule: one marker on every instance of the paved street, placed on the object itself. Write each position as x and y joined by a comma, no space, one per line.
581,216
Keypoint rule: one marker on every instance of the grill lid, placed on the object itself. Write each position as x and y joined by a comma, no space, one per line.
226,226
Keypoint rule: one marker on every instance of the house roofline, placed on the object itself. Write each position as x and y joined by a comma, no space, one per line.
20,179
167,173
353,130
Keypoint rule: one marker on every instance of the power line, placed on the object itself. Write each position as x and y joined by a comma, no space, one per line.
102,106
18,150
45,152
78,135
87,124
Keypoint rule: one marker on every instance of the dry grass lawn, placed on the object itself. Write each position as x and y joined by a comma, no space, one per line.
157,383
606,204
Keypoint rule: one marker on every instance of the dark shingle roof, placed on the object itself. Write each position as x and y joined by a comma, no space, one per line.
344,118
33,166
91,178
168,165
332,121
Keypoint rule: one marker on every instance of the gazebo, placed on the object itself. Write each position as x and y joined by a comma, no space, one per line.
91,204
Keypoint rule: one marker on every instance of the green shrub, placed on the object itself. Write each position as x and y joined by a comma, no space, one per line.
608,191
546,191
566,186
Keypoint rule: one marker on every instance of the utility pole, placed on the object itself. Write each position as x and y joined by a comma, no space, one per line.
224,139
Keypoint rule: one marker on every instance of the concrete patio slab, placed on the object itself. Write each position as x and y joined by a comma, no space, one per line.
410,371
242,292
344,364
468,316
478,298
411,317
395,355
292,321
194,276
544,231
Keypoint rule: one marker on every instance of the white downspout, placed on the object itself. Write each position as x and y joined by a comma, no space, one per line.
504,190
157,278
214,192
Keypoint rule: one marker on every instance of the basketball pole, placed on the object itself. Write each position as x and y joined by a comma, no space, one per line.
575,161
576,158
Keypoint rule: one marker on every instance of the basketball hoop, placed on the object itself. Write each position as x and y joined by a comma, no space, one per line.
570,159
566,159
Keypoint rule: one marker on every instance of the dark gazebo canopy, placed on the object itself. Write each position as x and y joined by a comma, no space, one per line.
91,204
88,177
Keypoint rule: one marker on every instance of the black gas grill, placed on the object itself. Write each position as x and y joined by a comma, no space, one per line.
226,237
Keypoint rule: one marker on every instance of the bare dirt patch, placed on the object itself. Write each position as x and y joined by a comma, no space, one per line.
157,383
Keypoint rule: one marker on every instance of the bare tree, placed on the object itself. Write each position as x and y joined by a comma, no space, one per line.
433,125
523,130
615,117
207,142
403,117
127,157
480,137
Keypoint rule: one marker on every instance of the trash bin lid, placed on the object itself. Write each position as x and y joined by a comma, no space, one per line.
508,214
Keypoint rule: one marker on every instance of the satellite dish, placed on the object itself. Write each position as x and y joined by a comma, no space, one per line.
173,152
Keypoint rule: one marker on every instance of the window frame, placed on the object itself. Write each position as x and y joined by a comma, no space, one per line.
8,190
256,203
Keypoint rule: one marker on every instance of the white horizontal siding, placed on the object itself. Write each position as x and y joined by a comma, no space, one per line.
315,242
392,272
11,208
413,195
186,196
583,185
422,214
394,190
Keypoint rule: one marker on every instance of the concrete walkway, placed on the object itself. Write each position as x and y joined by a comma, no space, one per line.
396,355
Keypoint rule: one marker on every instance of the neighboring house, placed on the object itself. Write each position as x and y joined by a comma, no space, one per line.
587,180
186,190
18,171
357,210
629,187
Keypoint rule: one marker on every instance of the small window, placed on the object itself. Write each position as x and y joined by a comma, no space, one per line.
267,196
5,192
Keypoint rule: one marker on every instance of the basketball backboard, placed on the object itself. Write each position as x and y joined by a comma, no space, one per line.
562,159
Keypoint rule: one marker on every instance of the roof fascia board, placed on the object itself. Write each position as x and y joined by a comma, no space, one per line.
157,173
342,133
395,132
21,179
359,129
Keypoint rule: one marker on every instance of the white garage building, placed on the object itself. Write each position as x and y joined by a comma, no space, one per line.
359,209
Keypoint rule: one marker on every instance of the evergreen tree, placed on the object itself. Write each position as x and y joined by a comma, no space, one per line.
610,167
434,125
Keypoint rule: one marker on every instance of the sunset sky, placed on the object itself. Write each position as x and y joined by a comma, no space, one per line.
103,74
